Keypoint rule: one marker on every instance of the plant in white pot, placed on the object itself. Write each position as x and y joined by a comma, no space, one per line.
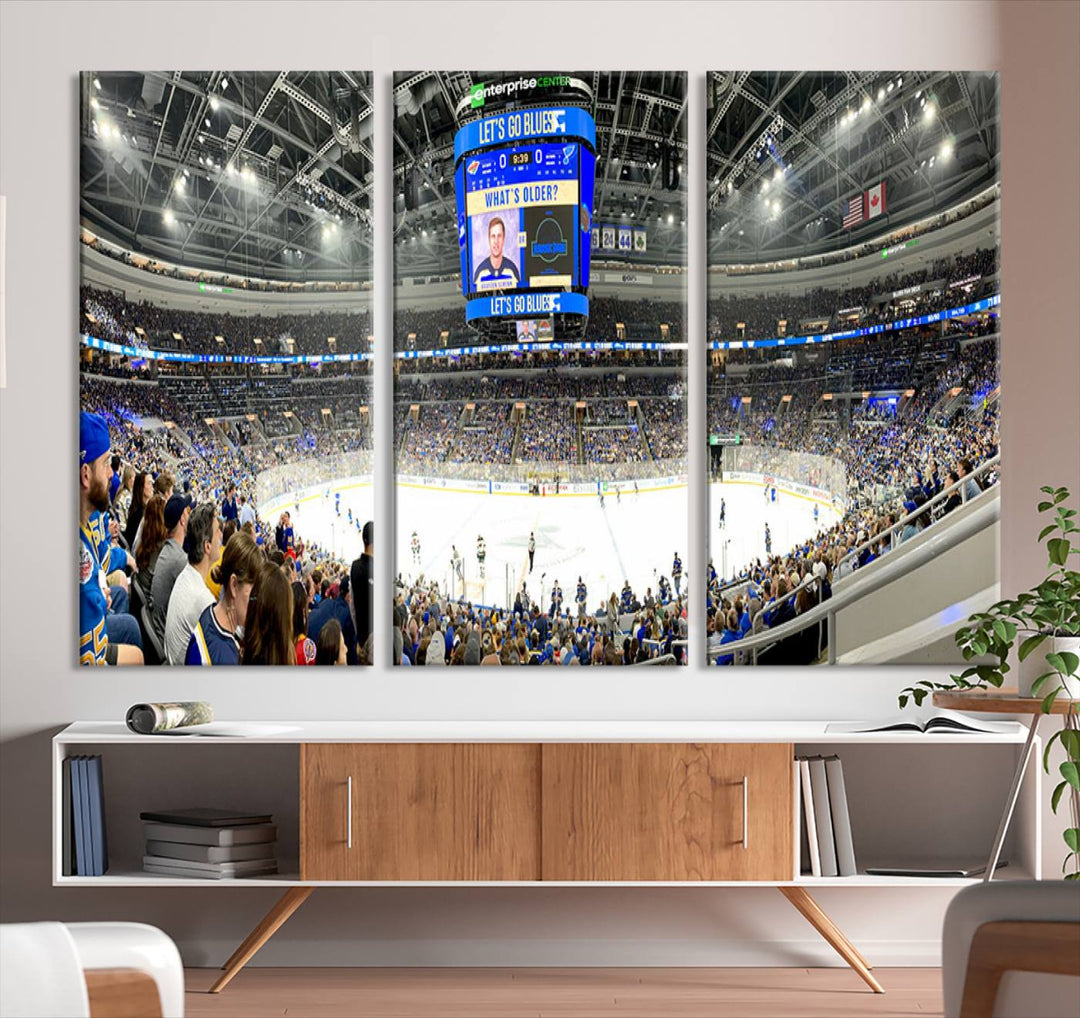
1047,617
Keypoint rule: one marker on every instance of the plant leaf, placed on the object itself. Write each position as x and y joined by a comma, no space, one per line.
1071,773
1055,798
1059,550
1047,530
1043,506
1031,643
1072,838
1048,701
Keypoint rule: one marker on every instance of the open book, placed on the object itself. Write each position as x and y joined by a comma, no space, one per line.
942,722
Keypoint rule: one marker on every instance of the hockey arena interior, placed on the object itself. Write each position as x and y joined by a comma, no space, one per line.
225,342
541,495
854,322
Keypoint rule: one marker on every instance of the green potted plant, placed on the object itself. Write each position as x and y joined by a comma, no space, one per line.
1047,617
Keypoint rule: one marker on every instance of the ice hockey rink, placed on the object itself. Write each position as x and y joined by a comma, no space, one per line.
790,518
320,516
632,537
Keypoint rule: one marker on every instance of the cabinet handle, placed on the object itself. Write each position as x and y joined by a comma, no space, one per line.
745,811
348,811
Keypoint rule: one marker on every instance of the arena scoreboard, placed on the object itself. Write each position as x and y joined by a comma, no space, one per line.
524,182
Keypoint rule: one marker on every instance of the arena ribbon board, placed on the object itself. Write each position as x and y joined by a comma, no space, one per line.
225,352
852,360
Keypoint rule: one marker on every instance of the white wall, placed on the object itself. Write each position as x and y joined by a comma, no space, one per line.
1036,47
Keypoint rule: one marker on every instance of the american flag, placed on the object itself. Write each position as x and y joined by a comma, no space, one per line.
853,211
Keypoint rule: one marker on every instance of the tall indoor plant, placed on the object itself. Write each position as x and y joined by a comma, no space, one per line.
1048,617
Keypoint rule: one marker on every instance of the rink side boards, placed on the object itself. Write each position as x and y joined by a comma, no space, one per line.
568,490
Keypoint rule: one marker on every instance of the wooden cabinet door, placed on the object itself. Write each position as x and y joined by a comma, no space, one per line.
433,811
664,811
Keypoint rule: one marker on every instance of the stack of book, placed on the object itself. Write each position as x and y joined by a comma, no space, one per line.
214,844
828,849
85,848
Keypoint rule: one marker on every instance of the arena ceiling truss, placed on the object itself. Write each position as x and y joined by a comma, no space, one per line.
638,115
265,174
786,150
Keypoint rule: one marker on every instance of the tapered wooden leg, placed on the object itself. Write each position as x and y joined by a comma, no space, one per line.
816,917
286,905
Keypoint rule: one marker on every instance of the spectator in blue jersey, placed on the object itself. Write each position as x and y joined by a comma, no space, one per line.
496,267
216,637
229,510
99,643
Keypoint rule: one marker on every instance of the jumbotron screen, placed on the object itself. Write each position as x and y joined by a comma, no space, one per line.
524,184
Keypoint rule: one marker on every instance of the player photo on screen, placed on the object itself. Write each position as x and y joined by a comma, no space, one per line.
539,400
854,325
225,352
496,251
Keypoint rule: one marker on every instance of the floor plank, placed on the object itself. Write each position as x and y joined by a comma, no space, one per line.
564,993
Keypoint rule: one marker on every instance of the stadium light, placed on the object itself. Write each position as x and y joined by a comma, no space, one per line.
890,87
670,218
880,94
207,121
775,207
778,174
866,104
215,103
94,104
169,217
946,149
230,170
224,84
928,112
97,84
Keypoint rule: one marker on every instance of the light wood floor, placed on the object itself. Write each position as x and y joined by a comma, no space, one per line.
564,993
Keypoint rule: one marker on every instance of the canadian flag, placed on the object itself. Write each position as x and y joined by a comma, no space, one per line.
875,200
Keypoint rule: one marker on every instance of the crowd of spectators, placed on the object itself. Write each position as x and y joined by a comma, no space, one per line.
898,453
828,309
117,319
177,567
432,629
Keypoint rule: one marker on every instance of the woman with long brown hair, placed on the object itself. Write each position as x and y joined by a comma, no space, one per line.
152,541
141,493
268,628
216,637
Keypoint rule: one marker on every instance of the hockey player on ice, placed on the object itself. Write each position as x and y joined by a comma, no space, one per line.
415,544
481,553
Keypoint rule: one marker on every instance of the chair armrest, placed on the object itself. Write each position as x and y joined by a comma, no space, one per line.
998,947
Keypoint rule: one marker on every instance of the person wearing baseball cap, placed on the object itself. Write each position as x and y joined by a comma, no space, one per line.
98,558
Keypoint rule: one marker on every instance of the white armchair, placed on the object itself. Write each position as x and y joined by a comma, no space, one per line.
1011,949
88,970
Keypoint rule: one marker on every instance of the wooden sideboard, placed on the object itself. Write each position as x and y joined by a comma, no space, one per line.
708,804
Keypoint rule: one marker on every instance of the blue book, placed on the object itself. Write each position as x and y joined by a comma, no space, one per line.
67,852
97,817
80,804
